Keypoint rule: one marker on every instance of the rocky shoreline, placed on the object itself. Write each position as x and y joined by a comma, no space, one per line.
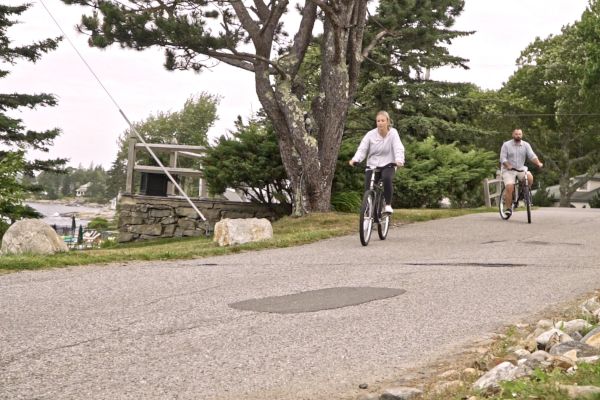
560,341
85,210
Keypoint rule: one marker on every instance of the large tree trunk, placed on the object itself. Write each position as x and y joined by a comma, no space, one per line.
564,189
310,157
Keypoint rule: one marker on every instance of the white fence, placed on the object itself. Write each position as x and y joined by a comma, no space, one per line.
494,194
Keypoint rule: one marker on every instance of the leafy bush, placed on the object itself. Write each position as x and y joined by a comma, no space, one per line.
98,223
543,198
250,161
595,201
434,171
346,201
3,228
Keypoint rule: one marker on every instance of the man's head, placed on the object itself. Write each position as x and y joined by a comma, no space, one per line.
517,135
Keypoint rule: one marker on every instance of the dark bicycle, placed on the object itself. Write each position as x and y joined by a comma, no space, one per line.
522,192
371,210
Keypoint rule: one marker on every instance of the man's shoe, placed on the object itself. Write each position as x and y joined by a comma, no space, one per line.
508,212
388,209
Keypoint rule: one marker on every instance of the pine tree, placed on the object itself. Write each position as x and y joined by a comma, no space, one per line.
14,136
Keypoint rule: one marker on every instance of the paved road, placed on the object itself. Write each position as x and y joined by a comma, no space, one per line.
166,330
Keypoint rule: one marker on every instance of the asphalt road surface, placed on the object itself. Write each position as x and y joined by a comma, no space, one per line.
310,322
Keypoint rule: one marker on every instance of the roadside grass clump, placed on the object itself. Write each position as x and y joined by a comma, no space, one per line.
347,202
98,223
545,385
287,231
502,346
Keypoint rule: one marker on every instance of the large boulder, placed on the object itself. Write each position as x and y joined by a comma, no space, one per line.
242,230
31,236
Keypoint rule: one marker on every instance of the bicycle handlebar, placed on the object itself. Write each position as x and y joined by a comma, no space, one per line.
369,168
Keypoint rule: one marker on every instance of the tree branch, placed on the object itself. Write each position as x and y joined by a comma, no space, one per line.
246,20
303,36
380,35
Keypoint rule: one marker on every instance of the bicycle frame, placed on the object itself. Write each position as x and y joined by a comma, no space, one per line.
521,191
372,208
377,188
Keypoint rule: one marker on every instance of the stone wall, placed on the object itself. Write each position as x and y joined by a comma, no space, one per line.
152,217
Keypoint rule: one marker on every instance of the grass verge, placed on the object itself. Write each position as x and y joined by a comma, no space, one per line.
287,232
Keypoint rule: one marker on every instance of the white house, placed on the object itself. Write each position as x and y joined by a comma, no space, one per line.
82,190
581,198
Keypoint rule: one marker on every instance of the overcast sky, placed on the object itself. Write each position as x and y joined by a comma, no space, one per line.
138,82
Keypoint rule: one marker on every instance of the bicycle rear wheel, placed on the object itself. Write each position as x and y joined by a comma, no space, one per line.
365,223
527,200
384,220
502,205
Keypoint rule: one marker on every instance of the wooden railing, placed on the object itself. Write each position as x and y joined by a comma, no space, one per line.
488,195
175,150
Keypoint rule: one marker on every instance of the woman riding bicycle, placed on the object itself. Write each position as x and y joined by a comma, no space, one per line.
382,147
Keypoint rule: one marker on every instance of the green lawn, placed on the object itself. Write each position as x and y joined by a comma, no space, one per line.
287,232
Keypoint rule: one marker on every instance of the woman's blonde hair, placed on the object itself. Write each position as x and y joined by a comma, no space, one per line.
387,116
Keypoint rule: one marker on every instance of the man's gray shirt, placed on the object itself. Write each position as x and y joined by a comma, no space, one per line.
516,153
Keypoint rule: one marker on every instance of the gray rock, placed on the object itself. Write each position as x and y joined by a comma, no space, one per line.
521,353
548,337
592,338
588,360
576,392
539,355
583,350
32,236
545,324
576,325
238,231
401,393
126,237
368,396
505,371
576,336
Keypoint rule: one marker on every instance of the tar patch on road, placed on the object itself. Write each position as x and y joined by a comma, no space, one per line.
459,264
317,300
540,243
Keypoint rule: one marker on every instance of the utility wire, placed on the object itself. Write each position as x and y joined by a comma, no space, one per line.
544,115
141,139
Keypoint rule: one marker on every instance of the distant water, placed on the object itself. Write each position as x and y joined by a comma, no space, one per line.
52,213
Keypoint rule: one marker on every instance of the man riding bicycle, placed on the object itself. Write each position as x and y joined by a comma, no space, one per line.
381,146
513,154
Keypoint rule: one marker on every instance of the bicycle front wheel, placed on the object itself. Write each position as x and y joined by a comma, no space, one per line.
502,205
384,220
527,200
365,223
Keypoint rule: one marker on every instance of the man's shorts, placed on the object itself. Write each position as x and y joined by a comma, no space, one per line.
509,177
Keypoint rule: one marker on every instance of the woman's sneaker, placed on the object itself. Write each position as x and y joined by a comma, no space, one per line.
388,209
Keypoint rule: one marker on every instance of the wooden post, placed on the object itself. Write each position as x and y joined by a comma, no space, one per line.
130,163
202,189
486,193
172,164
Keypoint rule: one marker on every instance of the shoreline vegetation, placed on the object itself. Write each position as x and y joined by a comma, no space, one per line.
287,232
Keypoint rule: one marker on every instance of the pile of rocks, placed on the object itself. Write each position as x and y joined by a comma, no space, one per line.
552,345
